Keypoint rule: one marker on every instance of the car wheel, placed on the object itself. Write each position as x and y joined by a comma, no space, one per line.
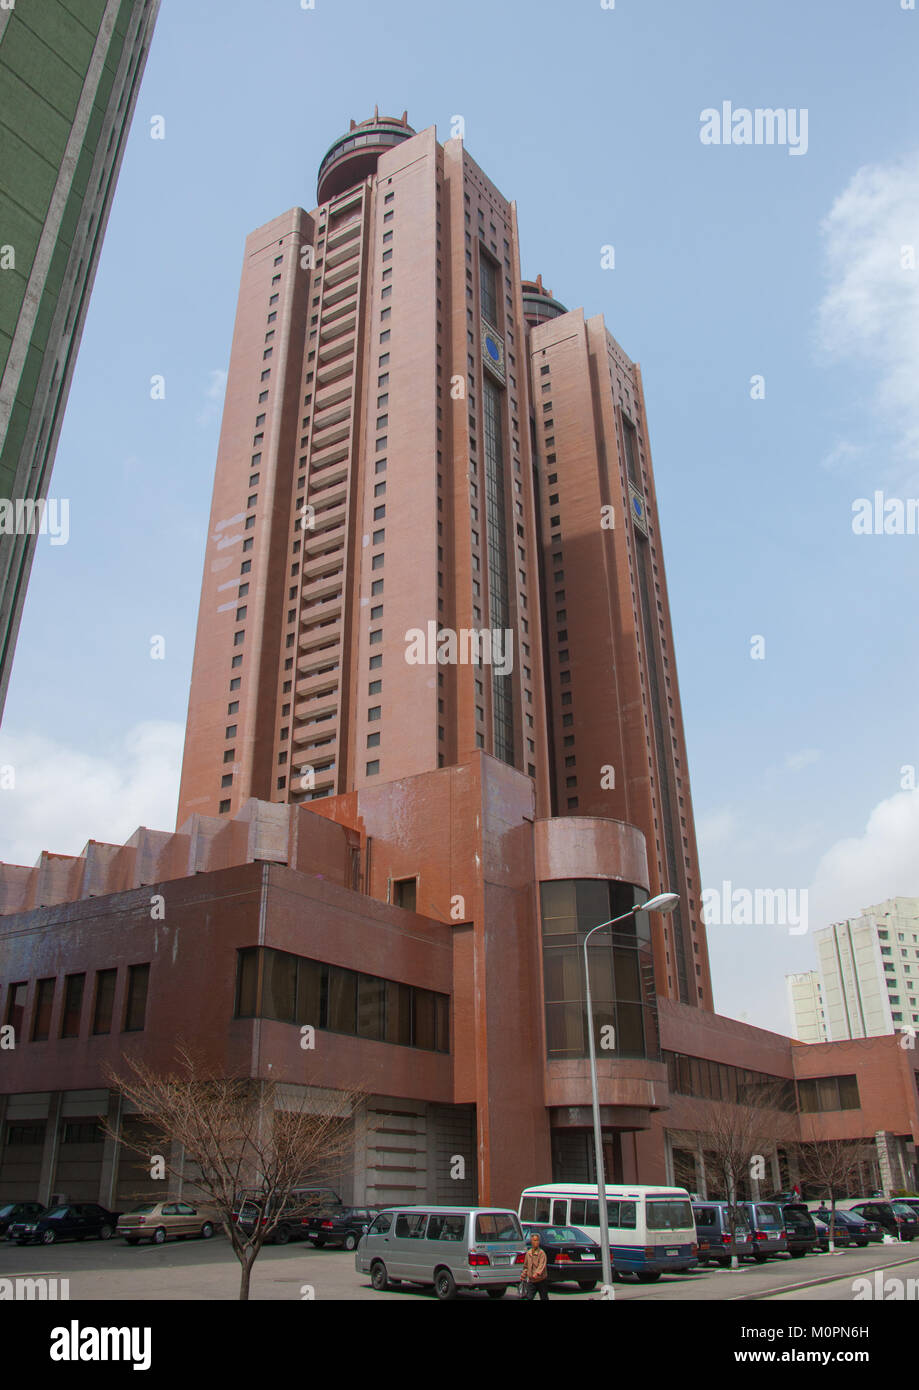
498,1292
647,1276
105,1232
282,1235
444,1285
797,1254
159,1236
207,1231
319,1244
861,1243
378,1276
132,1240
351,1241
760,1259
585,1285
47,1238
723,1264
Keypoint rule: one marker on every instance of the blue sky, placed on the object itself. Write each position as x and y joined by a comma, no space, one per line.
730,261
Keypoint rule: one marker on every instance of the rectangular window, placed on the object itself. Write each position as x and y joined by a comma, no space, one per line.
104,1001
73,1005
136,1009
404,893
631,451
488,287
41,1018
341,989
371,1007
15,1008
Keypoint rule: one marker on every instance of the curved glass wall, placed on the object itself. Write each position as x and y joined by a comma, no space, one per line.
621,970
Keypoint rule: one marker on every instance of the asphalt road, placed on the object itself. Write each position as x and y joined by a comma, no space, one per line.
195,1269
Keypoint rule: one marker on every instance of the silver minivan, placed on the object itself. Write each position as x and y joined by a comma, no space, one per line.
448,1248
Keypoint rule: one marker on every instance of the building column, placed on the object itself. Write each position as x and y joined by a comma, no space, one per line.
110,1151
701,1179
888,1150
359,1177
669,1179
50,1148
776,1169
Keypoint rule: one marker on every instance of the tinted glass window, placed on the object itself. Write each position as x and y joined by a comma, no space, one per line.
768,1218
668,1215
497,1225
446,1228
381,1225
411,1227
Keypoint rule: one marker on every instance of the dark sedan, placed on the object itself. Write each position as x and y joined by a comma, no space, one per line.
343,1227
76,1221
897,1219
11,1212
571,1256
912,1202
849,1228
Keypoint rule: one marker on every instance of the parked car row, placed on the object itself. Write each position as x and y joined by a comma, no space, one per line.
651,1230
30,1223
315,1214
69,1221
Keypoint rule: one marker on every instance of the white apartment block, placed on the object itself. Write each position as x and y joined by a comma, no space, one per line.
805,1003
867,978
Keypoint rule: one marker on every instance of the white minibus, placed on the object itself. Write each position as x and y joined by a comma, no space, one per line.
651,1229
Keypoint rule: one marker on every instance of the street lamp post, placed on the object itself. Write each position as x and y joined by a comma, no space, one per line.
664,902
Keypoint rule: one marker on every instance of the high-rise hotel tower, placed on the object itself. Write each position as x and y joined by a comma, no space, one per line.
423,456
419,445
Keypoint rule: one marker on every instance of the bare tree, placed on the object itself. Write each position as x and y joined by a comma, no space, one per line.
243,1140
738,1135
830,1167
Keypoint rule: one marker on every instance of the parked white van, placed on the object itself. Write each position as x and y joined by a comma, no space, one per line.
448,1248
651,1229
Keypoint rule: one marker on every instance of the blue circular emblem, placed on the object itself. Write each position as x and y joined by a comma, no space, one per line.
491,347
637,507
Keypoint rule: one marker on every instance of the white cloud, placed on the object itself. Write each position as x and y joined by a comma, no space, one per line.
862,870
805,758
63,797
213,398
869,315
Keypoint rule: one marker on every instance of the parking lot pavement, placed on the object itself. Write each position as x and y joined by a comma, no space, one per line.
781,1276
189,1270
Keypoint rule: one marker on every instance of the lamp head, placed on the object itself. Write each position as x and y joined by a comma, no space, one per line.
663,903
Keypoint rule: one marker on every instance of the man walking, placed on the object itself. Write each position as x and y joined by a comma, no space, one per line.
535,1275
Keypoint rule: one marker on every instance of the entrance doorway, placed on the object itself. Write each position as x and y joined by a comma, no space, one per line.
573,1155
